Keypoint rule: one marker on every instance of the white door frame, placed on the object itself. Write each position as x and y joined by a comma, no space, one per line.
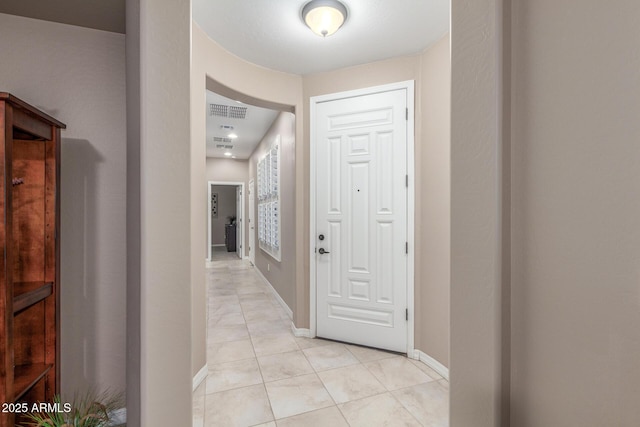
232,184
409,87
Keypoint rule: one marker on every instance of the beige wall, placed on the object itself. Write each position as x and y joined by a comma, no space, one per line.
77,75
476,323
281,274
576,213
159,226
433,202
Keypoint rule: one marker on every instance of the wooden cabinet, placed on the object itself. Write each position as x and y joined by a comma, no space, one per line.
30,273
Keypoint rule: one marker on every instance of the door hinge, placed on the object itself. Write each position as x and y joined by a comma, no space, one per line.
406,312
407,113
406,247
406,181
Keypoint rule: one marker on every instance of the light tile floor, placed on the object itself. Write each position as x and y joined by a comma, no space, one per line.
261,375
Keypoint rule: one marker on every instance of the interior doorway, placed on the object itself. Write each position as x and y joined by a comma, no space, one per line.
225,218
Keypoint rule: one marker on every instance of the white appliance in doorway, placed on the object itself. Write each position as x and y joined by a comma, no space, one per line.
362,216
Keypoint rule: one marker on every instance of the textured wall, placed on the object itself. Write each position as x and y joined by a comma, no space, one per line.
475,359
433,198
77,75
169,354
576,213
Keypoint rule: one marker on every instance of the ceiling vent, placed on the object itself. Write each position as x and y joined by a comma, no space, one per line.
229,111
226,127
237,112
218,139
223,146
218,110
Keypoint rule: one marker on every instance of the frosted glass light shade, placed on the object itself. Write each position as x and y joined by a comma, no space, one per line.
324,17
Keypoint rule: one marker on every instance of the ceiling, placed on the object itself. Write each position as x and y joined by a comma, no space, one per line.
249,130
271,33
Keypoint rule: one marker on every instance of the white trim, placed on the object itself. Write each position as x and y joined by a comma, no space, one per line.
409,86
200,376
241,243
300,332
423,357
411,194
312,218
275,293
217,245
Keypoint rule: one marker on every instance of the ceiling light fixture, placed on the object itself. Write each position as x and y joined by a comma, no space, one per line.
227,153
232,136
324,17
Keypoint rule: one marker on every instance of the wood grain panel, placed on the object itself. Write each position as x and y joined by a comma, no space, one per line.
28,344
28,211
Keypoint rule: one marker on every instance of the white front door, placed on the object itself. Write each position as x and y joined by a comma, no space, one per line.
252,232
361,219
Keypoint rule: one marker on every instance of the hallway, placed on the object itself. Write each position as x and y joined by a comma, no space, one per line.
261,375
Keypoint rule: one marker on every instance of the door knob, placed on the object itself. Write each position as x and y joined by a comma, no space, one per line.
322,251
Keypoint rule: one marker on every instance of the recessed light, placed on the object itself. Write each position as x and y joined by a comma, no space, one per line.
227,153
232,136
233,157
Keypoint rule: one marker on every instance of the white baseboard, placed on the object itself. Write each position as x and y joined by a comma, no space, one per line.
199,377
442,370
275,293
300,332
